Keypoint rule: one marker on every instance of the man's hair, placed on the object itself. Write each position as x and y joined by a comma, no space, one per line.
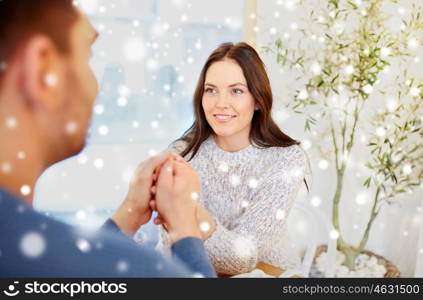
21,19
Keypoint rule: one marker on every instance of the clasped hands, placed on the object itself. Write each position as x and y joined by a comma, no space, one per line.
165,183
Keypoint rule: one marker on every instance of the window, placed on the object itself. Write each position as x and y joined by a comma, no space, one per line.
147,62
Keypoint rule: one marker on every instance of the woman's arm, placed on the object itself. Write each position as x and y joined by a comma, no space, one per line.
236,250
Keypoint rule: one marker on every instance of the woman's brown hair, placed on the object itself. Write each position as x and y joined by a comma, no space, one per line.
264,132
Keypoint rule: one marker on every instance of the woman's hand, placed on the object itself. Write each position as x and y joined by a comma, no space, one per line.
135,210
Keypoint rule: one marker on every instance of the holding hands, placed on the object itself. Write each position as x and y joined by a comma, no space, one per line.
168,184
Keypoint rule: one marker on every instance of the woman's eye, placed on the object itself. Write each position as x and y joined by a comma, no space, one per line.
237,91
210,91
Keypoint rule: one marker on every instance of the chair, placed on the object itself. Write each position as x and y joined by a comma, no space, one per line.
317,220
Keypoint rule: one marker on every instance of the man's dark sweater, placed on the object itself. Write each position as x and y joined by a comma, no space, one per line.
33,245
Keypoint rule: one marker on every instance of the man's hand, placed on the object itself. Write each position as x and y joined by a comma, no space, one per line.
176,195
205,220
135,210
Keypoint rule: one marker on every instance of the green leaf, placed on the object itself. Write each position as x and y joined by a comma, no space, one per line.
334,78
278,43
279,58
334,2
367,182
353,5
307,126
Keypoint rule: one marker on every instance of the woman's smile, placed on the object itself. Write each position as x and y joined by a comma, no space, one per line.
223,118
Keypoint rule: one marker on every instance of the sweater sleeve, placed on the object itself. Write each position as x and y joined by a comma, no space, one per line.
191,251
236,250
110,225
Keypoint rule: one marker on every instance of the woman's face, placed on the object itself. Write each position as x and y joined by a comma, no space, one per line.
227,102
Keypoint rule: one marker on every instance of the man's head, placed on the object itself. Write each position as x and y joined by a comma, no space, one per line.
46,84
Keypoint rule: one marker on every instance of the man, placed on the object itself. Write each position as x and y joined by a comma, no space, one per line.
47,92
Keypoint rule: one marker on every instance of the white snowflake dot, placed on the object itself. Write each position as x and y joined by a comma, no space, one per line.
122,101
103,130
323,164
407,169
123,90
6,167
204,226
51,79
122,266
99,109
297,172
316,201
280,214
414,91
253,183
98,163
21,155
306,144
152,152
83,245
33,245
392,105
244,247
136,23
81,215
368,89
235,180
362,198
155,124
223,167
71,127
349,69
134,50
25,190
334,234
11,122
303,95
82,159
380,131
21,209
195,196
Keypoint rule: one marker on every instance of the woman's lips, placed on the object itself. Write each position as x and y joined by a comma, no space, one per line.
223,118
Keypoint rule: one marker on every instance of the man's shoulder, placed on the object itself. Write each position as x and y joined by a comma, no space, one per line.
33,244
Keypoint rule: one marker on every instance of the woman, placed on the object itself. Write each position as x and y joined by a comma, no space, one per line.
250,171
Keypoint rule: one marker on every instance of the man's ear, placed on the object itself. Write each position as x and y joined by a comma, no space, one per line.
40,72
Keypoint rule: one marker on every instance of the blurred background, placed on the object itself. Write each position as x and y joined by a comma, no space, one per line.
147,61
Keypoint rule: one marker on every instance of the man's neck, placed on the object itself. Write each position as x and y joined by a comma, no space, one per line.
21,158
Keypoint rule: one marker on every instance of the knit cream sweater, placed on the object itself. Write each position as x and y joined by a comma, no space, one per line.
250,194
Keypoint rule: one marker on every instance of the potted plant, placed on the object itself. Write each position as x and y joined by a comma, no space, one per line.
340,68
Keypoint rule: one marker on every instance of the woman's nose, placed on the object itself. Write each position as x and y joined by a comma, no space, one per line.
222,101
